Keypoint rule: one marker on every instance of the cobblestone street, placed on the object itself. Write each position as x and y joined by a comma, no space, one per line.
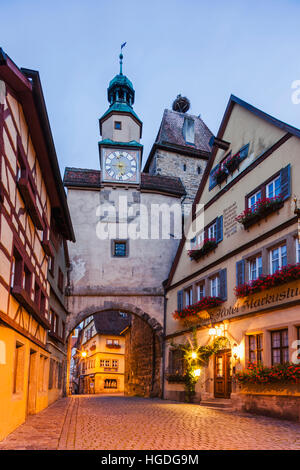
98,422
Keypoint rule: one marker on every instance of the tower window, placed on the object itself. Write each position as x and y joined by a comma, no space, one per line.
120,248
118,125
199,170
189,130
184,167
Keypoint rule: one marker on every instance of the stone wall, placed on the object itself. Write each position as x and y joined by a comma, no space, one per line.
142,360
275,400
172,164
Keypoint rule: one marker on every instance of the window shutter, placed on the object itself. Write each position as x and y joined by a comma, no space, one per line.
180,300
223,284
219,230
240,272
285,182
212,179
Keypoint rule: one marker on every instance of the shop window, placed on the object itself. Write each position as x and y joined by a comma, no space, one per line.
280,346
255,348
19,364
110,383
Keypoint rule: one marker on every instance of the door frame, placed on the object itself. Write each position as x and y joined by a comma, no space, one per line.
226,353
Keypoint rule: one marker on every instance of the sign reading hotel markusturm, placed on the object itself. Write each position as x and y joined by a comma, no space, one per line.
258,302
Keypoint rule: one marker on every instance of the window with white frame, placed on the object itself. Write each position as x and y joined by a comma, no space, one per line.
297,251
215,286
102,363
115,363
200,291
107,363
252,200
255,268
273,188
278,258
188,296
212,231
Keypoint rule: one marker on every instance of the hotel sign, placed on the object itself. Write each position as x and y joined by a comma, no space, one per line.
258,302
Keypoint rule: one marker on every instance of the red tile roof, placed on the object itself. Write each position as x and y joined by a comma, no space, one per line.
79,177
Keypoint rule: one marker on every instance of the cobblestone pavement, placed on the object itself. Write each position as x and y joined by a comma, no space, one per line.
107,422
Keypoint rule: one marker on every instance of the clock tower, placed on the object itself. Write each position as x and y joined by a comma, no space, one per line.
121,129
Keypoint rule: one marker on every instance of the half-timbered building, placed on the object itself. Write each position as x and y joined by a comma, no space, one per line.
32,199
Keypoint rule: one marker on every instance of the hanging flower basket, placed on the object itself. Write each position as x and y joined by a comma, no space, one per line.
208,245
281,276
261,209
193,310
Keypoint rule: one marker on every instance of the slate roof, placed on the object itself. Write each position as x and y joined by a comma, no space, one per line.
170,131
110,323
80,177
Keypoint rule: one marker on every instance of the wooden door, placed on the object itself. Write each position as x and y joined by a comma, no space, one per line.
222,374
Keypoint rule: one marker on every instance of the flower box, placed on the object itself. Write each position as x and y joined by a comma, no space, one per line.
261,209
258,374
221,174
283,275
193,310
208,245
232,163
176,379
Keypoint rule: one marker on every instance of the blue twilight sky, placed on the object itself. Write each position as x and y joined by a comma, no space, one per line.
205,50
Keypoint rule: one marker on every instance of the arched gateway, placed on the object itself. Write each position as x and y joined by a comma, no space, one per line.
127,223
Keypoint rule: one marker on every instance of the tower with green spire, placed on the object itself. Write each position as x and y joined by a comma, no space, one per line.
120,95
121,130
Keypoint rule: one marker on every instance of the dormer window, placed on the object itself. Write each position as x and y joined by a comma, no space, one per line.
189,130
118,125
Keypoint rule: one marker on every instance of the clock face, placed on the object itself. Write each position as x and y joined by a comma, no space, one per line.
120,165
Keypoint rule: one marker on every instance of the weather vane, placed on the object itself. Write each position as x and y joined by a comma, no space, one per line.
121,57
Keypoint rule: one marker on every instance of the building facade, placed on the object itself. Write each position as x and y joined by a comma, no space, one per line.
100,354
128,223
242,263
31,194
56,341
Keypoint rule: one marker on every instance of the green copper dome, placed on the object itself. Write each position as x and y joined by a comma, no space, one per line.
120,80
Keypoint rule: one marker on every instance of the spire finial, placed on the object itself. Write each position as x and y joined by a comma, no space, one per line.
121,57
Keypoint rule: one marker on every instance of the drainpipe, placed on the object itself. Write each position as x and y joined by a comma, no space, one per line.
163,346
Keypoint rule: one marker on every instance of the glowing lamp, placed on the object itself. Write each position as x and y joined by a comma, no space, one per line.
83,354
197,372
194,355
212,332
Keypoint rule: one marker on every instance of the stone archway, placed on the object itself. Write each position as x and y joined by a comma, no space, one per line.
144,351
75,319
